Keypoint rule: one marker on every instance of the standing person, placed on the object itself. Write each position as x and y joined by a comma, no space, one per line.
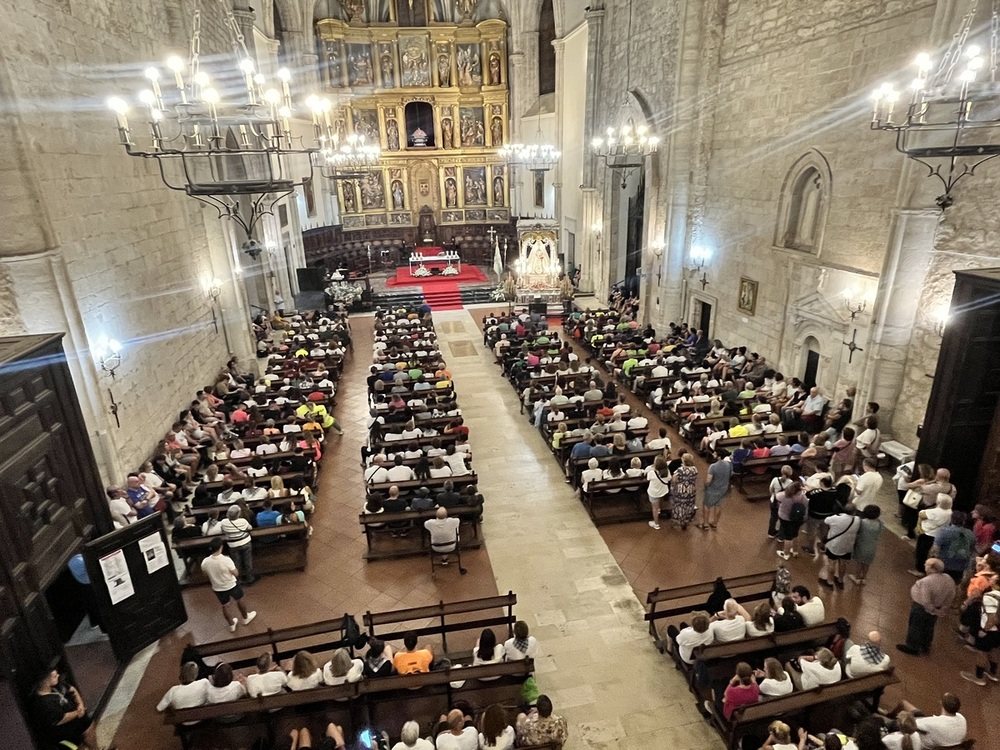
222,574
868,484
932,596
867,443
792,507
842,533
716,489
924,477
987,639
824,501
684,492
658,488
778,484
60,713
866,542
928,523
955,545
236,531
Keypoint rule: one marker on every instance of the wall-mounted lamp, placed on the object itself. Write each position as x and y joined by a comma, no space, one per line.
107,352
213,289
700,255
941,321
598,231
854,307
656,248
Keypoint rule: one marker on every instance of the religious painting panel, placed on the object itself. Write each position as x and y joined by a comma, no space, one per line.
474,181
348,197
387,65
366,124
496,125
442,65
354,222
414,68
447,127
397,190
360,71
475,215
539,189
470,65
372,188
498,185
747,301
494,64
404,219
449,186
375,220
472,130
497,215
391,115
452,217
333,62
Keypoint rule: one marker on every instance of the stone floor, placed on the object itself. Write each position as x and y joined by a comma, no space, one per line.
580,588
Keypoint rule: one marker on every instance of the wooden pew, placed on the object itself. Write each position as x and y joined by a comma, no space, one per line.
435,484
680,601
382,524
275,549
629,494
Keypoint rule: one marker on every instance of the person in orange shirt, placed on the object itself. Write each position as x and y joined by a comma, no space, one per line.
413,659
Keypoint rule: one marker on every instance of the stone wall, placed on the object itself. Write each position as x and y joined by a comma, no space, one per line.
135,254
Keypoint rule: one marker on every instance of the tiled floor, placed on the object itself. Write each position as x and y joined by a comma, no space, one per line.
580,588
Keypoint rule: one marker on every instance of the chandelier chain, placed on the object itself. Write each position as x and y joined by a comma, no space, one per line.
195,51
238,41
994,39
953,55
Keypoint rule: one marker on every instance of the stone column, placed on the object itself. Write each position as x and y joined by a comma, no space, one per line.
517,86
245,18
592,251
911,242
557,177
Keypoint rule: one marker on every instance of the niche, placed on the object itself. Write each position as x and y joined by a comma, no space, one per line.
419,125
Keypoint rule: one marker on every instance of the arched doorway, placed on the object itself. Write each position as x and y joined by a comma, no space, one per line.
810,362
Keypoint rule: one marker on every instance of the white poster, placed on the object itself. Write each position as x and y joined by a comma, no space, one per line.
153,552
117,577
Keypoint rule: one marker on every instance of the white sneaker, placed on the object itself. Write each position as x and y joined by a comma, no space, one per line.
783,555
654,525
233,624
248,618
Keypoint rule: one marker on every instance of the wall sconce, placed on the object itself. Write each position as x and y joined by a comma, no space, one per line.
656,248
854,308
213,289
700,255
598,232
941,321
108,354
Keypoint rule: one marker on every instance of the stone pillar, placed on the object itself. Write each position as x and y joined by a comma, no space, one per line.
595,33
911,242
592,251
557,178
245,18
517,86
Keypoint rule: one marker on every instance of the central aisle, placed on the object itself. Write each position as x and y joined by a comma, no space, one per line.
597,662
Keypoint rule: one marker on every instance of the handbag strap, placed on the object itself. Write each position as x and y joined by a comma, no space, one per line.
849,527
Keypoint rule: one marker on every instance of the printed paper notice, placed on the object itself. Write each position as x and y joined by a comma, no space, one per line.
153,552
117,577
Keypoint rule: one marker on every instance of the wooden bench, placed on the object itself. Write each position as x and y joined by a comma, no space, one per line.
772,467
802,705
264,481
383,524
629,492
577,465
434,484
202,512
680,601
425,440
275,550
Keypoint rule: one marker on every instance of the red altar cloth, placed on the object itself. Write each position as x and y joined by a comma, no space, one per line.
428,250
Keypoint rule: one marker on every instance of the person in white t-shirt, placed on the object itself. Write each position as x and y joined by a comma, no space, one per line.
866,658
455,733
867,486
774,680
688,638
270,679
224,687
342,668
592,473
820,669
410,739
522,646
660,442
192,692
730,624
942,730
221,573
810,607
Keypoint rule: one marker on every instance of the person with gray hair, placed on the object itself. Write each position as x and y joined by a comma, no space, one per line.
410,739
592,473
236,531
932,596
930,522
190,693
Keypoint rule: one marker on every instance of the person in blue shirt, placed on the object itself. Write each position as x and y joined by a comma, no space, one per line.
78,569
268,516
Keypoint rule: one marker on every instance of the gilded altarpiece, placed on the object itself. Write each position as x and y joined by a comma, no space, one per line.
435,99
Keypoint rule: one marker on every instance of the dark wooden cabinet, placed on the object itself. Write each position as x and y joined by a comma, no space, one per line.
960,429
51,500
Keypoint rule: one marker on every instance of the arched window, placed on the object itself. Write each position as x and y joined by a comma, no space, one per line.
805,199
546,52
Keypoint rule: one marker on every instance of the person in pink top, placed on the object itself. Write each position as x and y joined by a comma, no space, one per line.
741,691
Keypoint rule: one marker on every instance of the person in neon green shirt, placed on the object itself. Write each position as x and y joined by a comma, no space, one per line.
319,413
736,429
628,364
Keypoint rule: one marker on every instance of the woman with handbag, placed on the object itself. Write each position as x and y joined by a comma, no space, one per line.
913,498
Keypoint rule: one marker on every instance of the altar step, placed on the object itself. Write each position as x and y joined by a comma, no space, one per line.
444,299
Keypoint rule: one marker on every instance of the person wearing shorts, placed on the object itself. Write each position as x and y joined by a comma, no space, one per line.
842,532
333,740
222,574
987,640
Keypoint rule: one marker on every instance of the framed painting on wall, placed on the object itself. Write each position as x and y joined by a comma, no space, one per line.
747,301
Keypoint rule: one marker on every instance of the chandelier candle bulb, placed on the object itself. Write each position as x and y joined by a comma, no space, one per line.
176,65
120,107
154,81
284,76
246,65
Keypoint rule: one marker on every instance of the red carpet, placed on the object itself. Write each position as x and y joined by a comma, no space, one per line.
443,295
469,275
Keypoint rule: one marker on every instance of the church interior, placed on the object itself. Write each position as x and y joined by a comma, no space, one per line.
283,219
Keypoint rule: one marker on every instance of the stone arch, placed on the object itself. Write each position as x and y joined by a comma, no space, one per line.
804,204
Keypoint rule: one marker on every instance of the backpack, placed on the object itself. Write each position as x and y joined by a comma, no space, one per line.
960,546
798,513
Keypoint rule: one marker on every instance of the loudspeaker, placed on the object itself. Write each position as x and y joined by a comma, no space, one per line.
310,279
541,308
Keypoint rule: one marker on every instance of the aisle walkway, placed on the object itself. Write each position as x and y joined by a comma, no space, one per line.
599,665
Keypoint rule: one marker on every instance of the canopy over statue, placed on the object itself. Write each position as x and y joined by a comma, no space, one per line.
537,266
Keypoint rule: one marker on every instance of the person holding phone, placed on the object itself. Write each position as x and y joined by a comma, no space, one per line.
61,714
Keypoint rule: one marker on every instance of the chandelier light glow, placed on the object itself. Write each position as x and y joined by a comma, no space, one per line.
351,159
948,117
535,157
216,143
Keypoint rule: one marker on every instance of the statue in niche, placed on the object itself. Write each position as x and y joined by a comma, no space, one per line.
495,69
450,193
539,263
465,8
354,9
444,70
498,190
372,192
333,63
350,206
496,131
388,72
397,195
392,134
447,133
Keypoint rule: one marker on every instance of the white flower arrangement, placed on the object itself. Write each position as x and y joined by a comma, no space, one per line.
422,270
344,293
450,271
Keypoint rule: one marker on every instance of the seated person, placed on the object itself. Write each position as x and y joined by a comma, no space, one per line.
223,687
412,659
487,650
333,739
866,658
945,729
410,739
810,607
378,659
788,617
305,673
689,637
773,679
742,690
496,733
730,624
269,678
267,516
342,668
455,731
822,668
522,646
779,737
190,693
762,621
540,726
